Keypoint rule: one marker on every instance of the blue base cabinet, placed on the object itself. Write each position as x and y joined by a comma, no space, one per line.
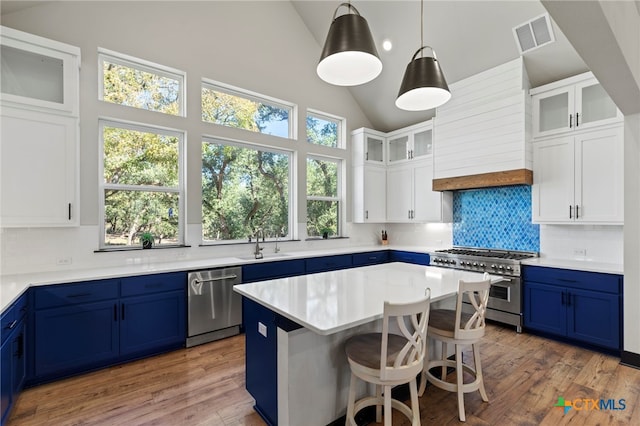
580,306
370,258
153,313
409,257
261,372
272,270
12,355
85,326
328,263
75,338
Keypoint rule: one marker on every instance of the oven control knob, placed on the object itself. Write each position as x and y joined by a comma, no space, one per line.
494,266
453,262
468,263
475,264
501,267
509,268
482,265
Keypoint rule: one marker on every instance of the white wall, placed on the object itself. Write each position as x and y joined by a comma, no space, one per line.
601,243
260,46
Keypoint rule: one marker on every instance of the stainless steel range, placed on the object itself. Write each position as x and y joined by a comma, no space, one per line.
505,297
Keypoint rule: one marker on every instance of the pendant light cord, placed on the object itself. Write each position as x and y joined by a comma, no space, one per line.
421,27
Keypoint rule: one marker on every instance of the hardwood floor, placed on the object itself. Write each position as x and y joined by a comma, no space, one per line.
204,385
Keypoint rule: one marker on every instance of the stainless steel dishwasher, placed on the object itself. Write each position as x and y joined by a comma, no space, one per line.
215,310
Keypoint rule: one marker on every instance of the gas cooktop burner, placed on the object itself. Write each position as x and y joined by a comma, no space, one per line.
497,254
503,262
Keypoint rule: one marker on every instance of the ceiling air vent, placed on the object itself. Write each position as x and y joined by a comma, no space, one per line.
534,33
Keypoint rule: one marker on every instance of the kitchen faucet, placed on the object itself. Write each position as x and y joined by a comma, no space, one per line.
258,251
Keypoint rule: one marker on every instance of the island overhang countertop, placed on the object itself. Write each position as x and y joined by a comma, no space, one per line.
329,302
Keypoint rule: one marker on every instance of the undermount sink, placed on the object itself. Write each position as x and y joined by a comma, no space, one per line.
264,256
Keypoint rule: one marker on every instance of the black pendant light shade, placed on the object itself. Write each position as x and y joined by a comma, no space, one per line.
423,86
349,56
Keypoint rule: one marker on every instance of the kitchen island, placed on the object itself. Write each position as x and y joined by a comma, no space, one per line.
296,327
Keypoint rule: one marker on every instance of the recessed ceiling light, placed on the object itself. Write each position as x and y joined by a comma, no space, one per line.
387,45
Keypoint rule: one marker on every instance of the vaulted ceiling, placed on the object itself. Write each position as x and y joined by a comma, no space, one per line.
468,36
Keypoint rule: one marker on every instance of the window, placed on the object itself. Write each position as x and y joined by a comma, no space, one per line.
323,197
141,185
234,107
244,188
140,84
324,129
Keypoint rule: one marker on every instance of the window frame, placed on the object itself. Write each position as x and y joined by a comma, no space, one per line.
254,97
341,192
145,66
103,186
292,186
342,127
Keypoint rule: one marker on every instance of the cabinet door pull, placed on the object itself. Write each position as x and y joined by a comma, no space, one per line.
122,311
115,312
366,214
577,119
570,212
13,324
562,298
568,299
69,211
577,215
366,156
571,121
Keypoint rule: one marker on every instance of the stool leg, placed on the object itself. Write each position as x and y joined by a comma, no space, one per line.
459,378
415,405
423,378
349,420
378,406
479,377
443,375
387,406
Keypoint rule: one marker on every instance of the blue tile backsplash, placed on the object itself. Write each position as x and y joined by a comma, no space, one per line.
498,218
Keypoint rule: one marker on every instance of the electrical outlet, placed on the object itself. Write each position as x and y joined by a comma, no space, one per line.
64,260
579,251
262,329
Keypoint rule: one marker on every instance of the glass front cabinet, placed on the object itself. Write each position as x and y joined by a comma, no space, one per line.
410,143
39,87
572,104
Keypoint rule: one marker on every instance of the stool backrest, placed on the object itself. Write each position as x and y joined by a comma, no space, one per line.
412,319
477,293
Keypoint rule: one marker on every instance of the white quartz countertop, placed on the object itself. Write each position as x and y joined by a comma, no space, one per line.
12,286
578,265
334,301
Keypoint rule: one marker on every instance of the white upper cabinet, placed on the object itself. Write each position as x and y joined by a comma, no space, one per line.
369,194
411,143
395,184
579,178
38,73
409,195
368,147
572,104
40,131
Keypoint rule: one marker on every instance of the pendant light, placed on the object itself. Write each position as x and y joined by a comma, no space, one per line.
423,86
349,57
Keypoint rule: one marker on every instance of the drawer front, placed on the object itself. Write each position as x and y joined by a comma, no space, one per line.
157,283
410,257
607,283
372,258
70,294
272,270
328,263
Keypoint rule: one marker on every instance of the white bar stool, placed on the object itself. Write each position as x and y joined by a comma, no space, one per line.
460,329
387,360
